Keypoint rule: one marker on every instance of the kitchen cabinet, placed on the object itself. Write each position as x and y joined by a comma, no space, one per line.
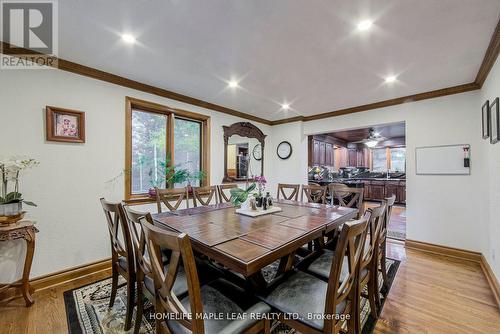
321,152
366,186
352,156
392,188
377,190
401,193
329,152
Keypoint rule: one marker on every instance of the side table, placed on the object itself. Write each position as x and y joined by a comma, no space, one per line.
22,230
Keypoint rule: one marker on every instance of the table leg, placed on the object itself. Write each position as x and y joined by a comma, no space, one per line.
30,250
286,263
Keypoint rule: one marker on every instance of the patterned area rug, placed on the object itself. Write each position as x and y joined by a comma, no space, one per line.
87,308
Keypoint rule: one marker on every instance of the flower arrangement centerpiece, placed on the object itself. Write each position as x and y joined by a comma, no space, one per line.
11,201
261,187
240,196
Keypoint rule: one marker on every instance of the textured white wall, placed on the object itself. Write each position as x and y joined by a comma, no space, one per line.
72,177
490,91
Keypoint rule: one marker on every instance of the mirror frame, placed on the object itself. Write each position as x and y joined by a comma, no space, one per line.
243,129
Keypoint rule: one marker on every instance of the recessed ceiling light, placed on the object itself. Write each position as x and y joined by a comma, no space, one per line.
365,25
285,106
127,38
390,79
233,84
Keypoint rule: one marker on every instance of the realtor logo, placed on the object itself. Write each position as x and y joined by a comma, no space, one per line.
29,34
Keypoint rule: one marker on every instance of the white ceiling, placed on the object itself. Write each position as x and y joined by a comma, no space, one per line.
305,52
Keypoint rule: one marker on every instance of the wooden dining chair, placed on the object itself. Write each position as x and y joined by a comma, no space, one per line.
347,196
293,195
224,195
122,255
368,268
303,294
205,195
193,312
389,203
313,193
171,198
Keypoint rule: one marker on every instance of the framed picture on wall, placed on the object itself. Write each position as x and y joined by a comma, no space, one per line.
485,111
65,125
494,122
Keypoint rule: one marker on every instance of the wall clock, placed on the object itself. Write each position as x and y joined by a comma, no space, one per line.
257,152
284,150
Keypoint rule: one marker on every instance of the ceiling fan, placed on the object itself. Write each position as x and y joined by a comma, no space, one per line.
372,139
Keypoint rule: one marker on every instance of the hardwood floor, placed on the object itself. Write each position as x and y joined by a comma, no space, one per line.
430,294
397,224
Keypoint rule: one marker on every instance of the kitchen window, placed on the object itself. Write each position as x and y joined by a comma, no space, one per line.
157,135
393,159
379,160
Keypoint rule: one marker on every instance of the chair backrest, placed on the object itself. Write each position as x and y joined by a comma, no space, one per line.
205,195
169,196
349,248
389,203
143,265
116,219
374,225
347,196
164,277
224,195
313,193
294,194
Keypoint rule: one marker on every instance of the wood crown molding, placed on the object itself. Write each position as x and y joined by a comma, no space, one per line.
488,61
461,254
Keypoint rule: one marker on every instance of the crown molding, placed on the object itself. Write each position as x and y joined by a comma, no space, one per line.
488,61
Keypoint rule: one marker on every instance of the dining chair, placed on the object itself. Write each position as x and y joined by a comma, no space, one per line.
194,313
224,195
122,255
303,294
346,196
169,196
313,193
144,273
389,203
205,195
293,195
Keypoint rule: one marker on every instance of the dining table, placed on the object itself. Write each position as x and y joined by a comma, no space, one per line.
245,244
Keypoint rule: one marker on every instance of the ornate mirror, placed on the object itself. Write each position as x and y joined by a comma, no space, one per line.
243,152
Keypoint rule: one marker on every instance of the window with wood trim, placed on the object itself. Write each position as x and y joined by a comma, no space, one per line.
390,158
157,136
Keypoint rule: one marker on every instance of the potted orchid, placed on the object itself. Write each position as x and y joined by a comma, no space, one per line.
10,170
261,186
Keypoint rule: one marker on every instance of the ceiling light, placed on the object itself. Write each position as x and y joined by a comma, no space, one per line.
371,143
390,79
365,25
233,84
285,106
127,38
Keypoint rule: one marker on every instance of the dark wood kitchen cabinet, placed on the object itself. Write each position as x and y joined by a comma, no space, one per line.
329,149
377,190
352,157
392,188
401,198
321,151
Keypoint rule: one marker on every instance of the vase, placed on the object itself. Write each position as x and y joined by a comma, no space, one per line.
152,192
259,201
11,209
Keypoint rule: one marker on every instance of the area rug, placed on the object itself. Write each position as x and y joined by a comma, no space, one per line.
87,309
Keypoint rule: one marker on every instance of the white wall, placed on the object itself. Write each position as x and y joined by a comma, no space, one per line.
490,91
445,210
72,177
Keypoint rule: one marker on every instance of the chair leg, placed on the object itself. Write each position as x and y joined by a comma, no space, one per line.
130,302
114,286
140,308
371,298
382,264
267,326
354,321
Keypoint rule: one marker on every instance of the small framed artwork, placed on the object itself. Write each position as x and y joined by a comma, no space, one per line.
494,122
485,111
65,125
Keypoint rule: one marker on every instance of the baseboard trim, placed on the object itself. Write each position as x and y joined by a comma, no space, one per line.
444,250
70,274
492,279
60,277
462,254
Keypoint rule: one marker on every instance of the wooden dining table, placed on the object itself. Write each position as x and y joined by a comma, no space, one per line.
246,244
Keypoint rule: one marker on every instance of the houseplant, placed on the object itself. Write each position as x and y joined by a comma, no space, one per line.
239,196
11,202
261,186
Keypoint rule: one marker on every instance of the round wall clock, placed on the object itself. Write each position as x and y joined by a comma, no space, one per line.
284,150
257,152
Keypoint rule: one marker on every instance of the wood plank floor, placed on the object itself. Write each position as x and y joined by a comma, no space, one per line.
397,224
430,294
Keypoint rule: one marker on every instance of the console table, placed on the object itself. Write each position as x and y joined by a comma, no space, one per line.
22,230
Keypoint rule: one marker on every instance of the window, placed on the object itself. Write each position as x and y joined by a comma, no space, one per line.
398,159
379,160
157,136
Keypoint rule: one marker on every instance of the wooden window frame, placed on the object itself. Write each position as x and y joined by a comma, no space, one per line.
387,156
171,113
